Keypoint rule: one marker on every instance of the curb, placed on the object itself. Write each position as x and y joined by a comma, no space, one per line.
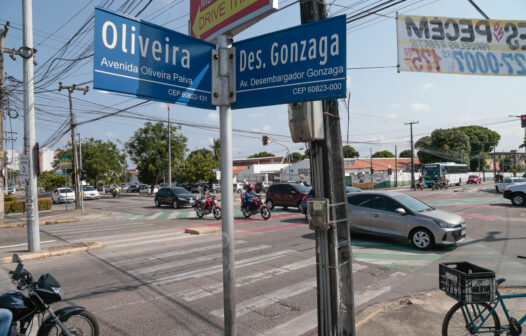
56,251
55,221
202,230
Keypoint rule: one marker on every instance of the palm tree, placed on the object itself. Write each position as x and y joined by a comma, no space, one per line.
216,148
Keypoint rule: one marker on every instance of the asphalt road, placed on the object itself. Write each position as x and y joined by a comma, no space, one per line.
150,278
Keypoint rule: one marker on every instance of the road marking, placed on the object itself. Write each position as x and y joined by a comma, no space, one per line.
269,298
207,258
492,218
218,268
72,232
396,262
24,244
145,242
273,228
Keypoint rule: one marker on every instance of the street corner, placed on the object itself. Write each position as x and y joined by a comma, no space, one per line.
201,230
57,250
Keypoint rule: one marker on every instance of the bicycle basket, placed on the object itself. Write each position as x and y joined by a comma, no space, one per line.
467,282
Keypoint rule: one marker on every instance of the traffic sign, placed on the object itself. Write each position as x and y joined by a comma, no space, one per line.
210,18
302,63
60,172
139,58
65,164
24,168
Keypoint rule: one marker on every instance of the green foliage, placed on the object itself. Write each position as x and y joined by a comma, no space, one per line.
103,161
20,206
444,145
482,140
295,157
9,198
216,148
261,154
523,143
383,154
148,149
198,167
306,155
49,180
405,153
350,152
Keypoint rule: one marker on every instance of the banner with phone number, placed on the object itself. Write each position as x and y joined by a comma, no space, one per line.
461,46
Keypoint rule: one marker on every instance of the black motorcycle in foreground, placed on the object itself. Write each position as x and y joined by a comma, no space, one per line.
29,309
440,185
257,206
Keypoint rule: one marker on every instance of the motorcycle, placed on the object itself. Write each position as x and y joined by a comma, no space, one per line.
440,185
67,321
257,206
420,185
208,207
115,194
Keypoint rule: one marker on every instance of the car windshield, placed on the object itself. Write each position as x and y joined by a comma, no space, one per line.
180,190
412,203
473,176
65,190
431,171
352,189
301,188
88,188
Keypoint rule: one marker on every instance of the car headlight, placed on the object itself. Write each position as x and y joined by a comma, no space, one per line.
443,224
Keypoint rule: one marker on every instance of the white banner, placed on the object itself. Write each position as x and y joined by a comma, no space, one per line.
461,46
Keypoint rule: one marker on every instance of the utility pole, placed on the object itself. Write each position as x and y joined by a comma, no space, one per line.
333,247
28,53
412,154
80,165
169,150
71,89
495,162
3,33
396,166
8,136
371,170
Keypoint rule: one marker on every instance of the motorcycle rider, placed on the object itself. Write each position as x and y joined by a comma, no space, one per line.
205,197
243,192
116,191
250,196
5,321
421,182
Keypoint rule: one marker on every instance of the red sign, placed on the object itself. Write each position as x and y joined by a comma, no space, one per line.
209,18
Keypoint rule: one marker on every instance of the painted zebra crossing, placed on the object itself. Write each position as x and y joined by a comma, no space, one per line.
189,214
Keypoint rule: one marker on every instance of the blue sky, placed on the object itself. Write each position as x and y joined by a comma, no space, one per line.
381,99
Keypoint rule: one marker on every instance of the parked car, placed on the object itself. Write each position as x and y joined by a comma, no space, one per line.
11,188
216,188
509,181
146,190
474,179
402,216
124,187
303,205
63,195
238,187
90,192
133,188
516,193
286,194
175,197
262,187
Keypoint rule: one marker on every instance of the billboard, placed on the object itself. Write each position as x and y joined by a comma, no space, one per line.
461,46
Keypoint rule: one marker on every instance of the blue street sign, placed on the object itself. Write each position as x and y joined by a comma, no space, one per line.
151,62
302,63
60,172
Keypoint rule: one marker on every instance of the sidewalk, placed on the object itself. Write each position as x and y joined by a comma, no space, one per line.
421,314
51,217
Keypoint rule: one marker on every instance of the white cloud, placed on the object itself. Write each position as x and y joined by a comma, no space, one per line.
395,106
428,86
212,116
255,115
420,108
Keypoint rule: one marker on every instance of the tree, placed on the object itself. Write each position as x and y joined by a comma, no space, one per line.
198,167
523,143
306,155
261,154
216,148
444,145
405,153
383,154
102,160
148,149
295,157
482,140
350,152
49,180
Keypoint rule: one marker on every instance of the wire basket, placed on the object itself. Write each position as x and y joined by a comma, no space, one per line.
467,282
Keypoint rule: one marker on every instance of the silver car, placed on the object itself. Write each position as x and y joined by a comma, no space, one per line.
399,215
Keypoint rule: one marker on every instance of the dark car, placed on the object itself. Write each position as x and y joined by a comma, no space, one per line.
286,194
133,188
303,205
175,197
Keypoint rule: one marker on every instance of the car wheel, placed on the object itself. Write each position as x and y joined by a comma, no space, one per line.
157,203
270,204
518,199
422,239
175,205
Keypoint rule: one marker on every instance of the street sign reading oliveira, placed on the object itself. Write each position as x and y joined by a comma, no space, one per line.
151,62
303,63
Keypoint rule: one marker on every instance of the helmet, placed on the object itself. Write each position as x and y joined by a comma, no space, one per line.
249,187
246,186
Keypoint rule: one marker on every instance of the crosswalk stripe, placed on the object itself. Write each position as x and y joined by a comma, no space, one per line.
389,262
395,256
211,257
171,254
134,237
128,228
93,227
218,268
269,298
145,242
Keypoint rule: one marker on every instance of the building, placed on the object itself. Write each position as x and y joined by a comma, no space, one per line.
505,161
259,172
263,160
47,159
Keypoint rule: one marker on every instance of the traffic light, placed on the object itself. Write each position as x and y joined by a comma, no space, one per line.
83,175
523,121
265,140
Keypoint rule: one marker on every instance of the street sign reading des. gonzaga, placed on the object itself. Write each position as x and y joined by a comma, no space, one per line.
151,62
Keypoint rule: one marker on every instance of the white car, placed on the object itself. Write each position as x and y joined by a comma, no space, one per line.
90,192
63,195
516,193
238,187
509,181
146,190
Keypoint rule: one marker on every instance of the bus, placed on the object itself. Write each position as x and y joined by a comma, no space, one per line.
456,173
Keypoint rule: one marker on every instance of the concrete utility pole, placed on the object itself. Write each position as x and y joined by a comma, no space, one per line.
27,54
396,166
412,154
371,171
333,247
169,150
3,33
73,124
80,165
